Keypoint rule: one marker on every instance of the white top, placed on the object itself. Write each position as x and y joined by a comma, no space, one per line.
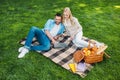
75,30
55,30
72,29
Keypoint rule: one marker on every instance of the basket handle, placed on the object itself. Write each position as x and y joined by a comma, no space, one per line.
101,49
106,55
88,45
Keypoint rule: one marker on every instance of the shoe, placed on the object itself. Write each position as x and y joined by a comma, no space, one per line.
22,51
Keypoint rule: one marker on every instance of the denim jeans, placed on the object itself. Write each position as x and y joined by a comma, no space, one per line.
79,42
44,41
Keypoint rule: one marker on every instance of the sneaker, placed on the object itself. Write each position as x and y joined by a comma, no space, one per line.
22,51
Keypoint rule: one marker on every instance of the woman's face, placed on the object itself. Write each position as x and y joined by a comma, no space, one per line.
66,15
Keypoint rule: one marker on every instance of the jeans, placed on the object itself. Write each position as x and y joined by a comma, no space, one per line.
79,42
44,41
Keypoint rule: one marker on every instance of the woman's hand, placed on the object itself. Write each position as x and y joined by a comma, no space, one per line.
71,38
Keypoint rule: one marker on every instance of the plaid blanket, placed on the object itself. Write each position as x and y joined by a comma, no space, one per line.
63,56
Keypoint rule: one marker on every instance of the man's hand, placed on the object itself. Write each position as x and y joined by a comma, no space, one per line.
54,41
56,37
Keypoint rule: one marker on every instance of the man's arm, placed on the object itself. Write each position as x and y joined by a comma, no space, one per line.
57,37
50,36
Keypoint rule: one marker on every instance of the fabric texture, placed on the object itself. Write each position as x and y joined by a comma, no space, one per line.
64,56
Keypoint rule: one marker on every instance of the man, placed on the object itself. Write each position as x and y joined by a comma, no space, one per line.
50,32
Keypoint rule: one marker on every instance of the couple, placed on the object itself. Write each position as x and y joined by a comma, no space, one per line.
52,30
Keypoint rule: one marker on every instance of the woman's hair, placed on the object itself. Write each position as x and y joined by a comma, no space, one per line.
67,9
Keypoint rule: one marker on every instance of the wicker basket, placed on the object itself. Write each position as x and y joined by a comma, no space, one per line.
94,58
78,56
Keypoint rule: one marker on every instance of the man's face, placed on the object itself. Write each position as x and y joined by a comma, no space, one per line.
58,19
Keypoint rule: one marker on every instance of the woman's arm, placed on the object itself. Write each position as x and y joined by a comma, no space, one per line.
77,24
76,28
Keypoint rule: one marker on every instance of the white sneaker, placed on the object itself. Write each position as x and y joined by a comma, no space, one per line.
22,51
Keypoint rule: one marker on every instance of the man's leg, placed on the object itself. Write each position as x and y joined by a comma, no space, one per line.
25,49
44,42
30,37
42,38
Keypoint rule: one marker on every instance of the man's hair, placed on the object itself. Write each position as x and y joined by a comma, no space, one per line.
58,14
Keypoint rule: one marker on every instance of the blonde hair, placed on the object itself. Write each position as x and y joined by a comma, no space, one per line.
67,9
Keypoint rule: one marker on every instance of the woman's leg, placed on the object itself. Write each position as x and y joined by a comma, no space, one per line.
82,43
78,40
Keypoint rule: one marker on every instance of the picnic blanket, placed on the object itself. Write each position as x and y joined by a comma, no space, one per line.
63,56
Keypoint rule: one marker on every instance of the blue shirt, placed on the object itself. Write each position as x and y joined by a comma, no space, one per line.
50,24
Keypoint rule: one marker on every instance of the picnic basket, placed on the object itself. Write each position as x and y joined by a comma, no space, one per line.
93,55
94,58
78,56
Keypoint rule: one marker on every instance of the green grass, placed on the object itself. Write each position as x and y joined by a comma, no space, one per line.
100,20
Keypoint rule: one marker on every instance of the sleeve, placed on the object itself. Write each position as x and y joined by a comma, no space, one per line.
79,27
47,25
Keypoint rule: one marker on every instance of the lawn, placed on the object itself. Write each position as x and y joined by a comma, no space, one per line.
100,20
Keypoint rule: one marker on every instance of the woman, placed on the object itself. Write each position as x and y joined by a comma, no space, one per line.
73,28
